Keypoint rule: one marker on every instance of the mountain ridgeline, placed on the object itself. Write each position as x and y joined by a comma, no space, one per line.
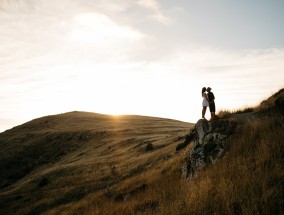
88,163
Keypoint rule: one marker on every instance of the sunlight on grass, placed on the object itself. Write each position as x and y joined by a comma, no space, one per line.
246,181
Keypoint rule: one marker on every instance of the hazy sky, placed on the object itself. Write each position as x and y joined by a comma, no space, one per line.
146,57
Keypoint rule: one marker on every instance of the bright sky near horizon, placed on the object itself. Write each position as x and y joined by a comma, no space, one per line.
145,57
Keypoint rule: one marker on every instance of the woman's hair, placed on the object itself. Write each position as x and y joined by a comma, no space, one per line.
203,90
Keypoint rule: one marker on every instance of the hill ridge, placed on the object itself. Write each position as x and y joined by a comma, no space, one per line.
86,149
69,162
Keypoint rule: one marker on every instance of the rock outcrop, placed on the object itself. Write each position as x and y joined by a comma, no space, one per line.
208,142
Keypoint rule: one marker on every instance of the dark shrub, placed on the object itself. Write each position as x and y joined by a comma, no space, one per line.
187,140
149,147
43,182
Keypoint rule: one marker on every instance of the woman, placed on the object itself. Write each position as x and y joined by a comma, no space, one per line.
205,102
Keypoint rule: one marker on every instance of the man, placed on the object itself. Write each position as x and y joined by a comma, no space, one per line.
211,99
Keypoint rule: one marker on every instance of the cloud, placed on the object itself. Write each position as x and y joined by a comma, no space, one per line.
151,4
156,13
240,77
100,29
39,34
87,55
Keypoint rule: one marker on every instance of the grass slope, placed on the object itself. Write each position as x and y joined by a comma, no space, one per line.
84,163
247,180
54,161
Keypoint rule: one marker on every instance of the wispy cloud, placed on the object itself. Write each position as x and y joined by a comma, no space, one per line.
156,12
248,75
99,29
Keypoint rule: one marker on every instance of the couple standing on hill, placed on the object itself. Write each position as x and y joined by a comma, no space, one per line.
208,101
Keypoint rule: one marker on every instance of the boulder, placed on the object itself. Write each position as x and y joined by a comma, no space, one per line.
208,142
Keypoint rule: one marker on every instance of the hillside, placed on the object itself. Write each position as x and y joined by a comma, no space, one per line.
59,159
87,163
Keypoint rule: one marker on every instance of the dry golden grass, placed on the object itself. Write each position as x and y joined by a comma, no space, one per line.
272,100
86,163
55,161
164,187
247,180
228,113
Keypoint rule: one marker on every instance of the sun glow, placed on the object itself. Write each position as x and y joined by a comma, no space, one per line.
117,90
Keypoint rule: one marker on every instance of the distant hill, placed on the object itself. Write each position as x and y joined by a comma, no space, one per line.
54,160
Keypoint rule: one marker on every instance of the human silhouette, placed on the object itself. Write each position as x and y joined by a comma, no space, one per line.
211,99
205,102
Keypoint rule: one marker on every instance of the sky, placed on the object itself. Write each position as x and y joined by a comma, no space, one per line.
142,57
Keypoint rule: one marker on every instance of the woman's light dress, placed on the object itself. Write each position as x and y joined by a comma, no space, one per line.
205,101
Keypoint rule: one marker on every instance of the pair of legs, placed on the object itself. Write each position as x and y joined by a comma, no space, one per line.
204,111
212,109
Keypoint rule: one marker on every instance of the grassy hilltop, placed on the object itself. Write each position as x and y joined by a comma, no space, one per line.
87,163
54,161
